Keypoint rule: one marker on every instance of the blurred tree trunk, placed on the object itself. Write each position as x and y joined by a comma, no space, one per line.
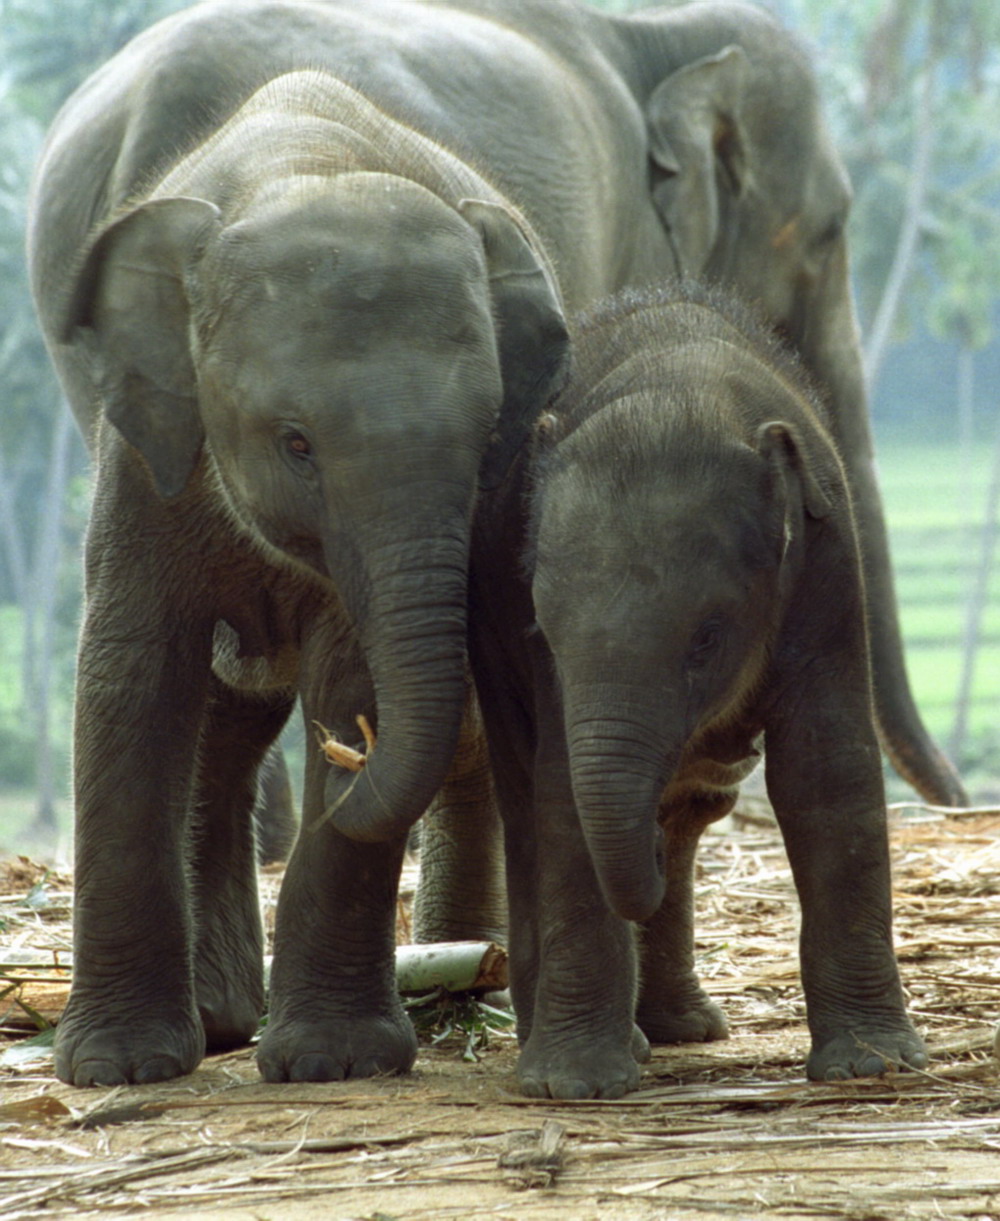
13,544
42,618
976,607
16,558
908,243
965,396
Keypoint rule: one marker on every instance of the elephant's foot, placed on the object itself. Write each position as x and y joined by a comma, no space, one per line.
866,1051
108,1051
685,1015
582,1067
230,1008
229,977
309,1047
641,1050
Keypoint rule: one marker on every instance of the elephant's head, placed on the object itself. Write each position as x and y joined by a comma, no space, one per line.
665,551
334,362
752,195
745,177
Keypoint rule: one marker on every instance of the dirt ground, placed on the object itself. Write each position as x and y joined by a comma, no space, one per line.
717,1131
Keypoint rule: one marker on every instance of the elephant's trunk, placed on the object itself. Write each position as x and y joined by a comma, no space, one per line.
830,347
411,618
619,769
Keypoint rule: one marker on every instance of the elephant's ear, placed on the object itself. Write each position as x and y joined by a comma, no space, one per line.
695,130
130,308
794,477
532,339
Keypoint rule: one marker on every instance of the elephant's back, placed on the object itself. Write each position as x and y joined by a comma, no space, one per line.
534,113
154,101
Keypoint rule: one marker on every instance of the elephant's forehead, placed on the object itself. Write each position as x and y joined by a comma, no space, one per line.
341,269
593,539
397,257
652,514
376,215
353,297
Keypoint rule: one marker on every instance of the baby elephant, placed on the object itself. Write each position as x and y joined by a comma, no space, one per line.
692,593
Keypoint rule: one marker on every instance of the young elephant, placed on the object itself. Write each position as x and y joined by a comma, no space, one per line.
296,351
693,591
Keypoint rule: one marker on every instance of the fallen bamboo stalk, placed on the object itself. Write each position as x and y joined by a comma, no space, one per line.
952,812
455,966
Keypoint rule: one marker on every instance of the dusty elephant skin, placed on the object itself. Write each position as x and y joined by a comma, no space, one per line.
693,591
275,311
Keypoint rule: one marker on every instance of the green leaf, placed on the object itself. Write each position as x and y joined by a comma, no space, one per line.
29,1051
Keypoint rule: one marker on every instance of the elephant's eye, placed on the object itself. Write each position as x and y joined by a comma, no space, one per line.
831,233
297,445
704,644
296,450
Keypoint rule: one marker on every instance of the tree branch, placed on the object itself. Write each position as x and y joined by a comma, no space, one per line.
909,232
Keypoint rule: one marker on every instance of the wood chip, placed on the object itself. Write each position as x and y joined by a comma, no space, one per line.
535,1158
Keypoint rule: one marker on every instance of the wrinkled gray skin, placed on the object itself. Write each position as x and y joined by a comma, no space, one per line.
740,172
693,593
275,822
294,342
251,474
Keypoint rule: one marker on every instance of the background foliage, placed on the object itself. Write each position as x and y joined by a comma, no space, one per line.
912,91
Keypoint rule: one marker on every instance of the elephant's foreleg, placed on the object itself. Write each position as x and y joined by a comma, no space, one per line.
141,686
334,1010
229,983
673,1007
582,1041
461,895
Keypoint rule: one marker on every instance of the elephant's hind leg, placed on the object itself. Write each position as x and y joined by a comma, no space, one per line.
229,963
461,893
275,820
673,1007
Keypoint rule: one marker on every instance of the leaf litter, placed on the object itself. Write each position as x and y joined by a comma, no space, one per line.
720,1130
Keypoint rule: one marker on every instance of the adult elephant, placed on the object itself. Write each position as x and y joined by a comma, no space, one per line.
751,194
738,169
274,312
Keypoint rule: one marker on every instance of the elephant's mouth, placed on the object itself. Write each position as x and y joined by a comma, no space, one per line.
660,851
285,536
304,548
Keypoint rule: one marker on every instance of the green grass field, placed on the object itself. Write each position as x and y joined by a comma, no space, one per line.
935,513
